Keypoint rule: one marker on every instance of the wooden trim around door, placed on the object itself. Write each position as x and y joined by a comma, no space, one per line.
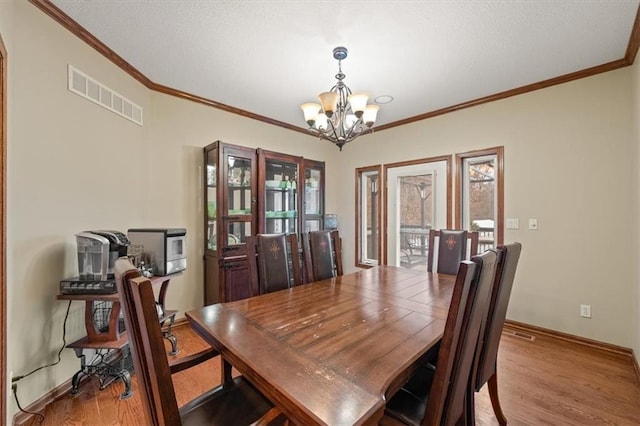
358,215
3,229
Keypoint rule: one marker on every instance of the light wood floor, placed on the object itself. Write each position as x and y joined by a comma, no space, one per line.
542,382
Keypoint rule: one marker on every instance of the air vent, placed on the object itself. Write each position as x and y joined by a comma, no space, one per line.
520,335
83,85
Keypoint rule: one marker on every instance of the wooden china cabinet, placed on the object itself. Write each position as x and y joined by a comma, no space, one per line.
230,216
249,191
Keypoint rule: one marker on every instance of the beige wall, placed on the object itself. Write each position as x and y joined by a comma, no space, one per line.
567,163
179,132
74,166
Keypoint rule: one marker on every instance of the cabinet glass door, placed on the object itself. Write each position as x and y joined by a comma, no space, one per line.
281,197
211,194
239,186
313,196
239,199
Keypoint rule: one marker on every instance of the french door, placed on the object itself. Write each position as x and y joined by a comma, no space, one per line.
418,199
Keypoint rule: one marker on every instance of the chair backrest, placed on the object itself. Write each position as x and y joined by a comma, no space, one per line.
468,306
269,256
508,256
450,249
473,239
147,345
322,255
454,245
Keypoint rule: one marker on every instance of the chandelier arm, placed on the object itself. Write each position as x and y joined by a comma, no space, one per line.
353,131
333,129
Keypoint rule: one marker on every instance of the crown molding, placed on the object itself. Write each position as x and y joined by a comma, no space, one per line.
59,16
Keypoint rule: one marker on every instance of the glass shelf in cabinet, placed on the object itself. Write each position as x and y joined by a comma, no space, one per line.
284,214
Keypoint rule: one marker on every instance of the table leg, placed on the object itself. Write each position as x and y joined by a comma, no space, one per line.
226,371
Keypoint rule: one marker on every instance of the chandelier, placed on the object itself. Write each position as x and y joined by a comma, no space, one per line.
341,115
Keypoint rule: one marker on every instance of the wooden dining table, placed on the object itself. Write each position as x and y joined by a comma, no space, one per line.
333,351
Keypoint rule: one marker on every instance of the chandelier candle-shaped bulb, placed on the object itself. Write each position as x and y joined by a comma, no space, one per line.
358,103
370,114
310,111
329,101
350,120
322,121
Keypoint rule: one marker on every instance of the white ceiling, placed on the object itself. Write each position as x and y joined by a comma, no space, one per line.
268,57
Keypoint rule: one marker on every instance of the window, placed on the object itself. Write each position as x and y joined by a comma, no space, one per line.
419,196
368,217
479,195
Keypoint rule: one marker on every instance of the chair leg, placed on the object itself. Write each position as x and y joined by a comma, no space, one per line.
495,401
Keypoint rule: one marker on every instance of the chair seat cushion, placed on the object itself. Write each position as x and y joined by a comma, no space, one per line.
410,402
237,403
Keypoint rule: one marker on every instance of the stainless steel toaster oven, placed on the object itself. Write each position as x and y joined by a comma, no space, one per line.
163,249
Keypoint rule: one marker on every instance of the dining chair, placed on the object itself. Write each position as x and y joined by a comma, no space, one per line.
448,247
322,253
235,402
274,262
473,240
487,350
435,395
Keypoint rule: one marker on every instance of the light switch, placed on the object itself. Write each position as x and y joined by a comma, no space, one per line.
533,224
513,223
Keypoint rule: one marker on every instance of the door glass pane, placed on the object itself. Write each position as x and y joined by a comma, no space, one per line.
416,202
239,184
479,199
416,218
369,217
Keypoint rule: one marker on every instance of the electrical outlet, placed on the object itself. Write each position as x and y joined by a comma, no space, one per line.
533,224
585,311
